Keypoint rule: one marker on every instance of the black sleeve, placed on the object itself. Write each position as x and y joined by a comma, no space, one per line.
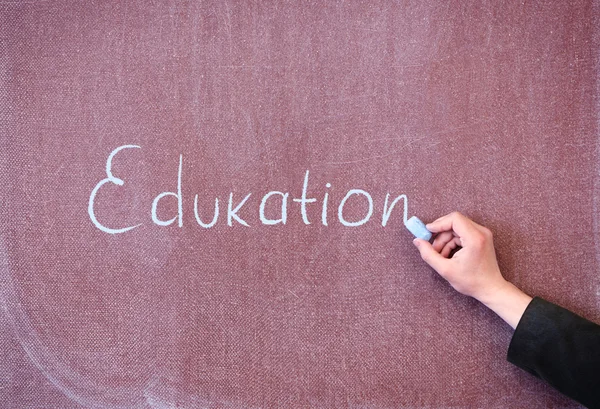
561,348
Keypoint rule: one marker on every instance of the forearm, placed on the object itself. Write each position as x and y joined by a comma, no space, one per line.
508,302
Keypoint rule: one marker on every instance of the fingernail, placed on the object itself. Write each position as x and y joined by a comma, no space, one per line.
416,242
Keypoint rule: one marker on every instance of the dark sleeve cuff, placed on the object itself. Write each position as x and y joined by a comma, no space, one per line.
561,348
527,339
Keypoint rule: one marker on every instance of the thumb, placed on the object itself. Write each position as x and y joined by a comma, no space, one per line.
429,255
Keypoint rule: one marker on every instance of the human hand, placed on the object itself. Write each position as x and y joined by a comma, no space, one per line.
473,269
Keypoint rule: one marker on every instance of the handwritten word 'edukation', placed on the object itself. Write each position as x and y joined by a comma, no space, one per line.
232,211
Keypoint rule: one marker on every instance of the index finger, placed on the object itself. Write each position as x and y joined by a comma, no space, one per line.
454,221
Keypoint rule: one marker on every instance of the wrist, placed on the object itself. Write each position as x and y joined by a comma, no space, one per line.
508,302
494,293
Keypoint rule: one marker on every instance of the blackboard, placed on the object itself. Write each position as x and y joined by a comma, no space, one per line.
124,125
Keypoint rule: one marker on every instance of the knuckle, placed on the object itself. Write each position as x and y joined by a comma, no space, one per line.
479,240
487,233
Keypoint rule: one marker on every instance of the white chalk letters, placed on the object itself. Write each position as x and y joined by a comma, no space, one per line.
235,209
109,179
343,202
179,216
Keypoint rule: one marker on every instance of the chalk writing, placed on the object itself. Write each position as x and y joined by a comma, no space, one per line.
109,179
234,207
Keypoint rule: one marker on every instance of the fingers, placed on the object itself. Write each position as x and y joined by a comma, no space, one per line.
429,255
455,221
451,245
442,239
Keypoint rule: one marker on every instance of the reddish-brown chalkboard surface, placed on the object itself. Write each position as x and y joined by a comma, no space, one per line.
125,124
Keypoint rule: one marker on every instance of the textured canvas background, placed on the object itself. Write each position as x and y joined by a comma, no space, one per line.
488,107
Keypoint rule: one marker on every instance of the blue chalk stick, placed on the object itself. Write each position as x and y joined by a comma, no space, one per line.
417,228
